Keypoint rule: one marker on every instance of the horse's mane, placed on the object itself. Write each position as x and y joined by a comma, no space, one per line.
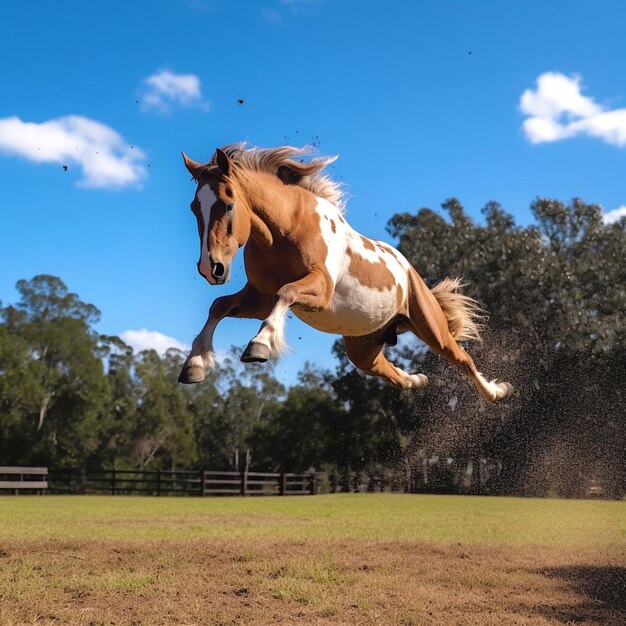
269,160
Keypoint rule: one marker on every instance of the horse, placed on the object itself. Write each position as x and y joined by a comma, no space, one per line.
300,254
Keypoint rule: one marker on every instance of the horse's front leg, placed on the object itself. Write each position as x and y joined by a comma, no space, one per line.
246,303
314,291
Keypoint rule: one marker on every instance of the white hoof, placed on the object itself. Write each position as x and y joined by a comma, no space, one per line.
505,391
418,380
498,390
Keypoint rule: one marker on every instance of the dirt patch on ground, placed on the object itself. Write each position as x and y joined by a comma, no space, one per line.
229,582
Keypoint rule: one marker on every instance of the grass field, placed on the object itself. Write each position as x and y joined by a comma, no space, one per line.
335,559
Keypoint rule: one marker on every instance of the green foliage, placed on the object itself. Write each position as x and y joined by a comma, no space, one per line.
231,408
556,297
20,387
298,434
163,428
62,371
119,416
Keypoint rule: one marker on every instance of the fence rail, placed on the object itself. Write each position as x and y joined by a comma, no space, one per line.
23,478
191,483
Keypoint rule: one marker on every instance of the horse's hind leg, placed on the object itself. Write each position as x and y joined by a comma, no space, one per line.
455,354
428,321
367,354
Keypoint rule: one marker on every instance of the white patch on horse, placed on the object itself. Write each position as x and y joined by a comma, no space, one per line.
272,333
355,309
206,198
202,347
335,240
398,269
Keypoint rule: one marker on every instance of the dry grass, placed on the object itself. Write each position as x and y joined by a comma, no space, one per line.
311,561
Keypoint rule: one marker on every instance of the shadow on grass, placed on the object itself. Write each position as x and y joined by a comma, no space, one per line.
603,587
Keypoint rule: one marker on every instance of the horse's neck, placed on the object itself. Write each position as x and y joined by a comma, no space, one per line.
275,207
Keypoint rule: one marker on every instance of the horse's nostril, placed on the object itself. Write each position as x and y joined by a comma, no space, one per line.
217,270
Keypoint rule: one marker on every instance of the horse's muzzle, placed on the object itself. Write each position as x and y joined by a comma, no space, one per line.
219,272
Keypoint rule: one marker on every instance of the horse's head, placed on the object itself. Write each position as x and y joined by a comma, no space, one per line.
223,219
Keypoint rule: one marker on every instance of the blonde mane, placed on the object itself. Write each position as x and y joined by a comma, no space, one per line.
269,160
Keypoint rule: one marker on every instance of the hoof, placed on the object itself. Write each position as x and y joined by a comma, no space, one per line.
507,389
419,380
190,375
255,353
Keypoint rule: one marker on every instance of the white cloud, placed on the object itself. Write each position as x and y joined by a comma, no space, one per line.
614,215
165,89
105,159
145,339
558,110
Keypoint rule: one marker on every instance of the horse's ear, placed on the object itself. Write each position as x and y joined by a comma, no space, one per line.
193,167
289,175
222,161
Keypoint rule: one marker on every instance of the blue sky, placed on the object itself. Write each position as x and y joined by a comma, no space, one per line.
422,101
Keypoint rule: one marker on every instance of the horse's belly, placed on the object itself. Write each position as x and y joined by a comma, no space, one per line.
354,310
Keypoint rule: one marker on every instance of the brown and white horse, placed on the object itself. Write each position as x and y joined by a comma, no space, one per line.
301,254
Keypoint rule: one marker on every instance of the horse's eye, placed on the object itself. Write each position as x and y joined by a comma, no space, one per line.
230,207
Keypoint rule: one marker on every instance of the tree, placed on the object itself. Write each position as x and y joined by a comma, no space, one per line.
19,392
297,434
163,430
243,399
556,301
120,413
54,327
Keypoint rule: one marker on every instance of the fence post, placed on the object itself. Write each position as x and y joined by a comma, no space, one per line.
113,482
333,482
244,483
202,483
313,483
345,481
355,482
158,482
283,484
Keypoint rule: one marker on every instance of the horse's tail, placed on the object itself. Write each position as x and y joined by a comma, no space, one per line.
463,313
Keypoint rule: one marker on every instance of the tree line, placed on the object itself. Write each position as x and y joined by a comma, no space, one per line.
555,292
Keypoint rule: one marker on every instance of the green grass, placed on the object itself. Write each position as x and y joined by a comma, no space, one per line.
332,560
444,519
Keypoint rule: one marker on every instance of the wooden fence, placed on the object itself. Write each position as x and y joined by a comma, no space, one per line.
23,478
181,482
